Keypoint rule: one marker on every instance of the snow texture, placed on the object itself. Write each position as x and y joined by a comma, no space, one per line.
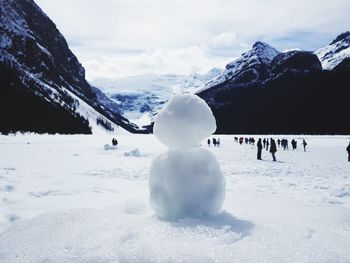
184,122
64,199
135,153
186,184
108,147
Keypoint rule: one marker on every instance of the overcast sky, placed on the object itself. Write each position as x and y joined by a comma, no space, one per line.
114,38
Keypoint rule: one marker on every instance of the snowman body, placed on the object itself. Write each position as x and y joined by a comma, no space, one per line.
185,181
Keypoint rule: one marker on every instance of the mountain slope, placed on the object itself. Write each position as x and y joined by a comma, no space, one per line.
251,69
32,47
333,54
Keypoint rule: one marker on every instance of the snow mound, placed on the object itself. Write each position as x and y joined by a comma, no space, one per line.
108,147
135,153
186,184
111,235
184,122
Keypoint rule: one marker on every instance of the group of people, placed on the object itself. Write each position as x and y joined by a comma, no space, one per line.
265,143
216,142
271,145
294,143
250,140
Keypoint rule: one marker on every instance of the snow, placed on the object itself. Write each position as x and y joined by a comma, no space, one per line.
184,122
186,184
333,54
66,199
92,115
136,153
108,147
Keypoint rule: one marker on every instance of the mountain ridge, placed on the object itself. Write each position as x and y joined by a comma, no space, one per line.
289,95
33,47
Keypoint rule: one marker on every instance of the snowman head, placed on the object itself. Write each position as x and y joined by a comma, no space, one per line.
184,122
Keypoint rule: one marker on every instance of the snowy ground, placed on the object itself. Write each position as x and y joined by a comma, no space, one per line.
66,199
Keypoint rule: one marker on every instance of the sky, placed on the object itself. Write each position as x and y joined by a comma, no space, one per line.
116,38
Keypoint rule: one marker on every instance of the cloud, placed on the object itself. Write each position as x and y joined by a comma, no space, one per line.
180,61
224,40
124,31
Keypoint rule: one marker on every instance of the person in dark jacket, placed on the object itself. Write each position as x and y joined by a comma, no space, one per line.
260,146
273,149
348,150
114,142
208,142
304,145
267,144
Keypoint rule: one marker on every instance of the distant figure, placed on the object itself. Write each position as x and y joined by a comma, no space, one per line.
208,142
241,140
267,144
218,142
114,142
348,150
214,141
264,142
251,140
304,145
285,144
259,145
273,149
294,144
279,142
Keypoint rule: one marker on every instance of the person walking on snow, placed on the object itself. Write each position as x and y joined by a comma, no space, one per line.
304,145
267,144
259,145
273,149
348,150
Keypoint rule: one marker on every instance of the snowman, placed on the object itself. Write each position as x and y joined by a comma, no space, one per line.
185,181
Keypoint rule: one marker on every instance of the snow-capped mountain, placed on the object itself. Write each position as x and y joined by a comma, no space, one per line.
333,54
251,66
37,57
140,97
266,91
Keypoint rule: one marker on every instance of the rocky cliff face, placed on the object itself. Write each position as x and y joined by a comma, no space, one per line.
35,50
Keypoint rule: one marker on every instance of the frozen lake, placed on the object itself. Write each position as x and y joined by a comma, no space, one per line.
67,199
